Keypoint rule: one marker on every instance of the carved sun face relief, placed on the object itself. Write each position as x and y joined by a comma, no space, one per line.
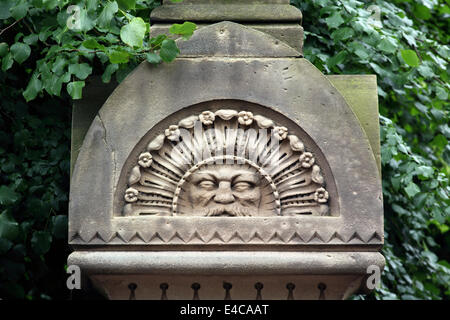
226,163
222,190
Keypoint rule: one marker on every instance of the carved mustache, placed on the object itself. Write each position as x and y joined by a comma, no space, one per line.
229,210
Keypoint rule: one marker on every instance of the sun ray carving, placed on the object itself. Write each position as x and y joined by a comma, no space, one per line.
226,163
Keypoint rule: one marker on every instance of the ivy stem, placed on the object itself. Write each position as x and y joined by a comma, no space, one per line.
125,14
28,26
10,26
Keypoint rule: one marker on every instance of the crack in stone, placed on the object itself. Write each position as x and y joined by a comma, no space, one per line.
111,149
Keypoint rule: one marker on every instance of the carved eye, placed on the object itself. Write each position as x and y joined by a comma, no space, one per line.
242,186
207,184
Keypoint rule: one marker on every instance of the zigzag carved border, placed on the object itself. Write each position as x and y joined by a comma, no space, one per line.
119,237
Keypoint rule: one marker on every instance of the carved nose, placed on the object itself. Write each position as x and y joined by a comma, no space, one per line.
224,194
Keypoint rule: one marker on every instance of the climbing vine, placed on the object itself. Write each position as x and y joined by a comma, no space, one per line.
405,44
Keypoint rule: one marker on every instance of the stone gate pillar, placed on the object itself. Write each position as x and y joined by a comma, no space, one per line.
237,171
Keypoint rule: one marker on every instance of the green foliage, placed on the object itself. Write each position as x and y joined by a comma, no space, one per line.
186,30
406,48
169,50
20,52
49,49
69,40
46,64
34,185
410,58
133,33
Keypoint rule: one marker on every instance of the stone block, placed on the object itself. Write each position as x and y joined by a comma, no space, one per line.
289,33
361,93
295,200
201,12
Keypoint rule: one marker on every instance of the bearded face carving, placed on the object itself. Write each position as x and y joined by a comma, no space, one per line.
224,190
225,163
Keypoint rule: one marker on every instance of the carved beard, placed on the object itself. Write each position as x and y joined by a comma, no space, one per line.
233,210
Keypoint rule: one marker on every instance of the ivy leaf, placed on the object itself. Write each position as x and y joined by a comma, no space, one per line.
127,4
134,32
92,44
40,242
9,228
422,12
7,195
441,93
33,88
3,49
337,59
169,50
358,49
31,39
156,42
49,4
425,71
439,141
410,57
7,62
60,226
153,58
81,71
87,21
412,189
118,56
424,171
19,11
104,20
59,65
54,83
432,258
92,4
75,89
4,9
186,30
20,52
65,77
335,20
388,45
438,114
110,69
342,34
44,34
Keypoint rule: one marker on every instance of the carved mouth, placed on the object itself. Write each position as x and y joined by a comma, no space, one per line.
234,211
222,213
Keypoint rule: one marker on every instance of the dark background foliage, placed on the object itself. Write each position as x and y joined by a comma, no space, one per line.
45,65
